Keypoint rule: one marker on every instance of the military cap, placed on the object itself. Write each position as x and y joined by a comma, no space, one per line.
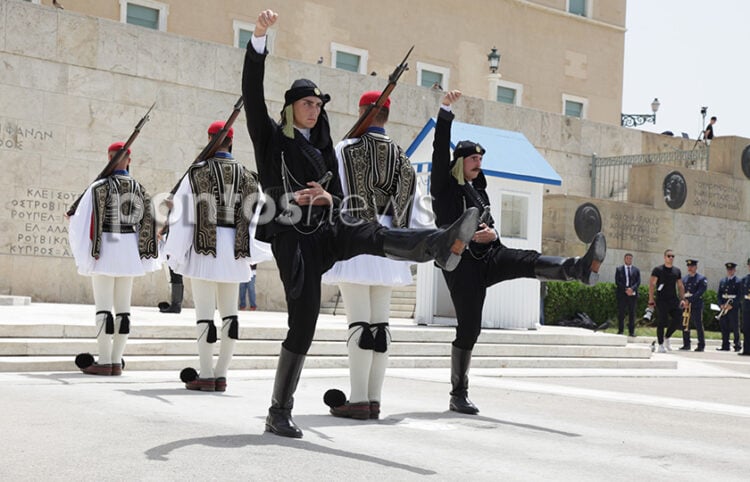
116,146
691,262
467,148
215,127
371,97
730,265
304,88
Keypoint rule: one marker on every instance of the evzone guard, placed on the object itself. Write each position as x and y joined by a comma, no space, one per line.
112,235
379,184
210,241
299,174
458,184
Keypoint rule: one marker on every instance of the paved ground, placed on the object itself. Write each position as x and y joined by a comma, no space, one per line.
686,424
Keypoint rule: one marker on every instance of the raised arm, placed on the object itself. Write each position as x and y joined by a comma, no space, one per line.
441,144
259,124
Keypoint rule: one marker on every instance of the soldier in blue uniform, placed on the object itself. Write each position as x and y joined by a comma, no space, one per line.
730,288
695,285
745,291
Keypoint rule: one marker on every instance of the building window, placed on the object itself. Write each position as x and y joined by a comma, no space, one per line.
506,95
432,76
145,13
348,58
574,106
578,7
514,216
244,30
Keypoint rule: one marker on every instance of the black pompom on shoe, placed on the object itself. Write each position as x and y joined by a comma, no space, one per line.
188,374
84,360
334,398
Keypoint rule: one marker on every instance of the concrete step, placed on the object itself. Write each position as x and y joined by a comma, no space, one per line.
242,362
46,337
155,347
185,330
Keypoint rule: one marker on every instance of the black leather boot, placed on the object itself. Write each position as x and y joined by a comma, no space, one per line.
460,362
279,419
445,246
582,268
175,306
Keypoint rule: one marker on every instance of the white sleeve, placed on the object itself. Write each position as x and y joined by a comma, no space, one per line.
79,234
258,43
259,251
181,227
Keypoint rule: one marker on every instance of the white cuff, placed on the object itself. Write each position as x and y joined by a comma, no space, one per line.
259,43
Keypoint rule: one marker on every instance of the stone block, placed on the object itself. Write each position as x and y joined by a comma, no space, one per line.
197,63
706,193
43,75
229,62
2,24
117,47
77,39
21,104
90,83
31,30
128,89
157,55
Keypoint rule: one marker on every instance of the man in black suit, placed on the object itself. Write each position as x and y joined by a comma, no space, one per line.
627,281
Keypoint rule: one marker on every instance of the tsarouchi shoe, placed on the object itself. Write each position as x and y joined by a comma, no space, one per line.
359,410
97,369
221,384
374,410
202,384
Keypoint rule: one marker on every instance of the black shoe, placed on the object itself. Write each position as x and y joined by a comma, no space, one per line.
737,348
620,333
684,348
462,404
744,353
631,335
280,422
723,349
700,348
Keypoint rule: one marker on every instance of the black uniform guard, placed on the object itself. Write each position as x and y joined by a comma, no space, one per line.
730,291
695,286
484,264
307,239
746,311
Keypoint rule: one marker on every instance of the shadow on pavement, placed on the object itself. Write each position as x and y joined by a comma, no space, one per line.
161,452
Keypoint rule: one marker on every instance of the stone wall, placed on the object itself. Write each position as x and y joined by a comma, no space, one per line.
707,218
73,84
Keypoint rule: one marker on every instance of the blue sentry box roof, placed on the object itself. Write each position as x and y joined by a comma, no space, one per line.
509,154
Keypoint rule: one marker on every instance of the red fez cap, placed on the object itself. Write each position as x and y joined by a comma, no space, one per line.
117,146
219,125
372,97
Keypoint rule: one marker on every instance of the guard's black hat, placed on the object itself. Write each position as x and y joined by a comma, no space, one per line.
730,265
692,262
304,88
466,149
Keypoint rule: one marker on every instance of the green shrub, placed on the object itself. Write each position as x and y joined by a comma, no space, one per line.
565,299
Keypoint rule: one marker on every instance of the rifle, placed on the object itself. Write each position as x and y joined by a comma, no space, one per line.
116,159
365,119
213,145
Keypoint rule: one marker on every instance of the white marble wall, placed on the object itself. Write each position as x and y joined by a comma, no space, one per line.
72,84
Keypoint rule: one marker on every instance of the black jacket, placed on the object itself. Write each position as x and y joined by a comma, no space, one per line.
269,143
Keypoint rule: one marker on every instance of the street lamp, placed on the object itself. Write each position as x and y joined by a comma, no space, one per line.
634,120
494,59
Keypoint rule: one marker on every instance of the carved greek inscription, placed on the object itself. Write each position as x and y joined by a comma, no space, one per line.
716,197
39,222
634,228
13,135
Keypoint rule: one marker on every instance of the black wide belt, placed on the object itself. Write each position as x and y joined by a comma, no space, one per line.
118,228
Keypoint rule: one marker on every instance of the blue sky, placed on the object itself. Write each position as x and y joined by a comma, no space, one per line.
689,54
